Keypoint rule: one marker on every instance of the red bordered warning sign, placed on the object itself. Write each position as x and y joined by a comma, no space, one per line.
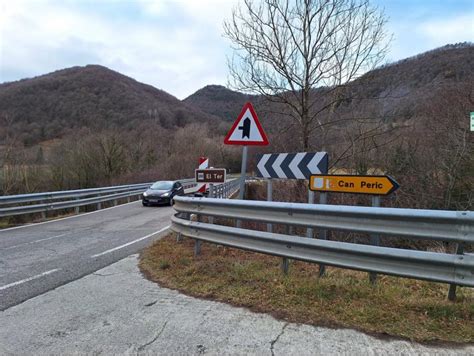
247,130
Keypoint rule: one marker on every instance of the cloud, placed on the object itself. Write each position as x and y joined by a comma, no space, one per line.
448,30
419,32
175,45
172,45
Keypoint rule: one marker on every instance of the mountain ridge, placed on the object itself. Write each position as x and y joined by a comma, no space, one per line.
95,97
92,96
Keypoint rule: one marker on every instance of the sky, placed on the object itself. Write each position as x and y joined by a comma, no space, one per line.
177,45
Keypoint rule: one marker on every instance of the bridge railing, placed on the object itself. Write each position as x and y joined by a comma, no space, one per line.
11,205
450,226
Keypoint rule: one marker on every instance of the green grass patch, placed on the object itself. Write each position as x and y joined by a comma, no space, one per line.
411,309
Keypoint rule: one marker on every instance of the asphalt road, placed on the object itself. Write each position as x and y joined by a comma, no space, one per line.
40,257
115,311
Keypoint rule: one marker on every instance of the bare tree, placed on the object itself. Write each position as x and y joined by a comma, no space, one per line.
286,48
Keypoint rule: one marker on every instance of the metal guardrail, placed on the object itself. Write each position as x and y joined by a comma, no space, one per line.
457,226
50,201
441,225
225,190
28,198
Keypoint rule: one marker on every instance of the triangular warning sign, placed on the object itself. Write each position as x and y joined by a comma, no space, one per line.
247,130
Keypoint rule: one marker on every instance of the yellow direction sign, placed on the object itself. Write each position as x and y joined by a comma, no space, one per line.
378,185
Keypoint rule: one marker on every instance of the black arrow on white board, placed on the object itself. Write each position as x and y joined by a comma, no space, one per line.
292,165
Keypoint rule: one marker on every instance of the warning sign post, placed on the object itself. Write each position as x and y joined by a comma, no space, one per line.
246,131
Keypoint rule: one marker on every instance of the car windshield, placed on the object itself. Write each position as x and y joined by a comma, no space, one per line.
162,186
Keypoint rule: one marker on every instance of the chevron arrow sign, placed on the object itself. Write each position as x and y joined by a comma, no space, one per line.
292,165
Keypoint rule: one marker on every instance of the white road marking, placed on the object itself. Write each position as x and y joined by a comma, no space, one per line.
29,279
34,242
131,242
67,217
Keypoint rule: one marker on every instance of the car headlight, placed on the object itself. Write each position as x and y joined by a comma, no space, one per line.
145,194
166,194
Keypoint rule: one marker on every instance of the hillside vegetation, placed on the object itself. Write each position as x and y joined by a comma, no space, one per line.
92,97
88,126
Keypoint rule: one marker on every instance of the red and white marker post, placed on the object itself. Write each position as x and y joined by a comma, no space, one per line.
203,164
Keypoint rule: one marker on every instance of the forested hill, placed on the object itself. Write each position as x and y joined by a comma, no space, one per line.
93,97
400,85
219,100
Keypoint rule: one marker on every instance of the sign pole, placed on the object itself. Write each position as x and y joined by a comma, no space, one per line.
374,238
323,233
309,230
243,172
269,198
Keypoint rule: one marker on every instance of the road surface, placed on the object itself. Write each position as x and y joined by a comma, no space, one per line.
39,257
115,311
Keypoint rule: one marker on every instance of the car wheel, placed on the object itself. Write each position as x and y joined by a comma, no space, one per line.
144,204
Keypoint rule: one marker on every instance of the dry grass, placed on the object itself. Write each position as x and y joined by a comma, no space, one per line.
399,307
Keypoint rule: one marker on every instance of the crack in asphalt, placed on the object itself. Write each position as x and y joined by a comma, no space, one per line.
273,342
104,275
144,346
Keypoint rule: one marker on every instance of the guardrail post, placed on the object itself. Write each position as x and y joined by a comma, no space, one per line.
197,248
77,208
197,243
309,230
185,216
115,202
452,287
285,262
269,198
374,238
43,213
323,233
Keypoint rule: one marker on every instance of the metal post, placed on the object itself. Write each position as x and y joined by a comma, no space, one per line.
323,199
128,199
309,230
243,173
197,248
374,238
197,243
185,216
211,195
285,262
452,287
115,202
43,213
269,198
